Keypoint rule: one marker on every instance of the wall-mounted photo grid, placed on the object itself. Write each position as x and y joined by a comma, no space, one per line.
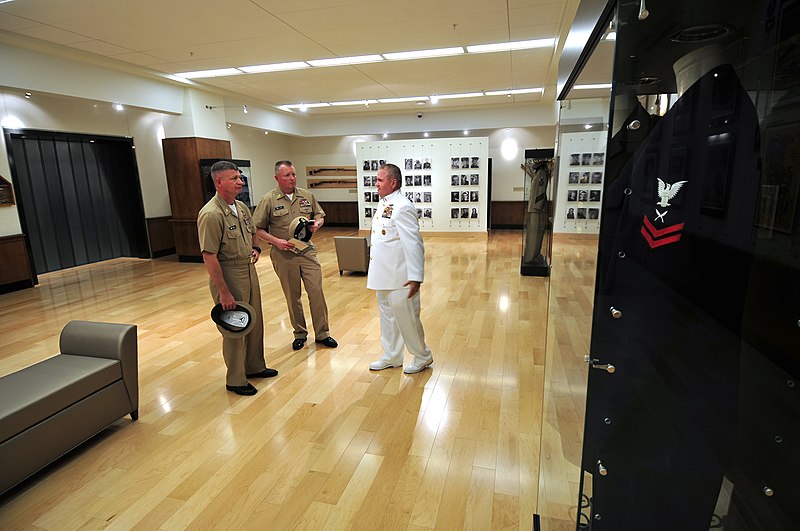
581,175
445,179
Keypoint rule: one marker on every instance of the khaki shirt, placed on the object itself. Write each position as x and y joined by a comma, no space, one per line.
275,212
223,233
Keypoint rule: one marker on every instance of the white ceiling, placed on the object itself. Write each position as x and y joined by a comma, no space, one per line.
172,36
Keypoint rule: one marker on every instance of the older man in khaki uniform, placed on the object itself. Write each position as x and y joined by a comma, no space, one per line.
228,243
273,217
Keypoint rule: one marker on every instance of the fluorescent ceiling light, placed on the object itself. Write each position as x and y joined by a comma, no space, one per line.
463,95
354,102
211,73
303,106
423,54
402,100
337,61
513,91
517,45
275,67
594,86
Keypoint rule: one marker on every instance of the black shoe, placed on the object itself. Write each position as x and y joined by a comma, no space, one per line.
244,390
297,344
328,342
266,373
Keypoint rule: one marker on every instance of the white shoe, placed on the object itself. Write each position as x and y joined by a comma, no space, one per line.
414,368
382,364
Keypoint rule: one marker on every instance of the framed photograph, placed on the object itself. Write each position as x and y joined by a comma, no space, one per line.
453,213
374,179
376,197
572,195
474,213
367,181
594,213
454,180
426,197
781,174
583,195
418,180
597,177
464,213
586,159
594,196
575,159
584,177
410,196
474,179
409,180
373,165
381,162
454,197
598,159
465,162
581,213
715,180
473,196
571,213
474,162
573,177
417,164
427,213
465,197
464,180
426,164
368,197
455,163
409,164
419,213
426,180
417,197
367,212
366,166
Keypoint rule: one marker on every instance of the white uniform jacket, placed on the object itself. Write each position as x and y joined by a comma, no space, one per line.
397,254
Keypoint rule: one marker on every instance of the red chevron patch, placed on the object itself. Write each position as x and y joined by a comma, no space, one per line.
658,237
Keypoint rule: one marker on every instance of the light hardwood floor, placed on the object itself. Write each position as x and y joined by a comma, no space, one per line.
327,444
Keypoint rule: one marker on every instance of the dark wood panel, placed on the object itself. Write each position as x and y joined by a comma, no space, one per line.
182,164
187,242
162,240
507,214
16,271
340,213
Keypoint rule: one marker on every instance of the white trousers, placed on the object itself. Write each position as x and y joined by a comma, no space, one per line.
401,327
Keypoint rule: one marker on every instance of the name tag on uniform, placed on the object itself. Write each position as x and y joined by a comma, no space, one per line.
387,211
279,207
232,227
304,202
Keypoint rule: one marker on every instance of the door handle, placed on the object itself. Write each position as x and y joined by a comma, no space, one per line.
594,363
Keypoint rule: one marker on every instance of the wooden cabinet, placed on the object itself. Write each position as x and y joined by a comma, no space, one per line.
186,188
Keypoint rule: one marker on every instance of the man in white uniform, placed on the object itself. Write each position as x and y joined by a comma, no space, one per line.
396,270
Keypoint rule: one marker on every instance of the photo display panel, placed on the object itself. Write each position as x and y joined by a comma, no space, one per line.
445,179
581,179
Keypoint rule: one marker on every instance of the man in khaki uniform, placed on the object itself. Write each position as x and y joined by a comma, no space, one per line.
274,214
228,243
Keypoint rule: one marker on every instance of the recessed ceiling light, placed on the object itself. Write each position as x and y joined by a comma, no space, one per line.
338,61
509,92
118,107
385,135
466,132
508,46
427,134
28,95
424,54
275,67
219,72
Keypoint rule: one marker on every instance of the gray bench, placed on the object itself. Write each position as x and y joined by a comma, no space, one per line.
51,407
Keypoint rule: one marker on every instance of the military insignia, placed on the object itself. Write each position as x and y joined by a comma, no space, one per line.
247,222
668,191
304,202
232,227
279,207
658,237
387,211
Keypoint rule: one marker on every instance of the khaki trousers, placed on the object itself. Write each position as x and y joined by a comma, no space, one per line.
291,270
243,355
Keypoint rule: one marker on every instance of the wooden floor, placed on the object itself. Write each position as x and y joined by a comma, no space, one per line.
327,444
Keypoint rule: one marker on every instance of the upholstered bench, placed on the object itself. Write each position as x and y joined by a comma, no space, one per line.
51,407
352,253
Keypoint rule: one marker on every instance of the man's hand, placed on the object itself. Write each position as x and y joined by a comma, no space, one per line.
283,245
413,287
254,255
227,300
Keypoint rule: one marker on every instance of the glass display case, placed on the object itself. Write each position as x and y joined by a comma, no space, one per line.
208,183
538,219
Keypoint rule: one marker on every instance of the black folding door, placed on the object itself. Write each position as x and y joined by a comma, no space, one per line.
79,198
